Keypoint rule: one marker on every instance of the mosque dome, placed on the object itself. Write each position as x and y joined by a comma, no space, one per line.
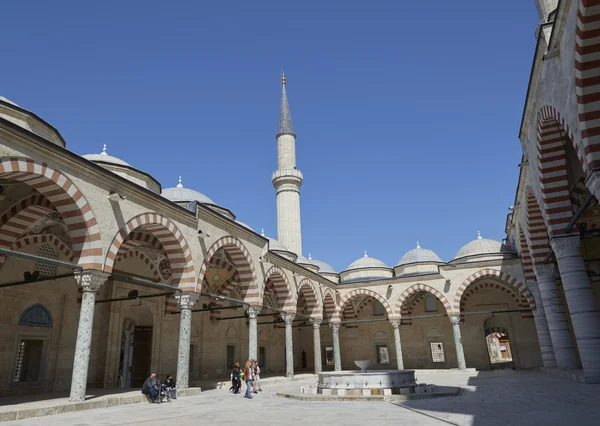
124,169
419,255
482,246
278,247
324,268
366,262
245,225
179,194
308,262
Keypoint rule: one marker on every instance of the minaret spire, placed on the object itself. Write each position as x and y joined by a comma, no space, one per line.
287,179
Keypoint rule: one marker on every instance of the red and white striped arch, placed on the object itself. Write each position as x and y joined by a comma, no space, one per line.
504,278
137,238
171,239
52,239
283,291
313,305
421,288
136,254
244,266
553,169
68,201
539,242
526,259
356,293
328,303
587,78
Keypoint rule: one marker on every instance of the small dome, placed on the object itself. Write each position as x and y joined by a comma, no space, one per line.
8,101
105,158
482,246
419,255
275,245
367,262
307,261
244,225
179,194
324,268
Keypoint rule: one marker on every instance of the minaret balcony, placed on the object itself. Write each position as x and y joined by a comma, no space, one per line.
287,176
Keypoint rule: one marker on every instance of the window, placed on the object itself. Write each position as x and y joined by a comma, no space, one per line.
261,356
430,303
378,308
192,357
383,354
329,356
29,360
230,355
437,352
45,269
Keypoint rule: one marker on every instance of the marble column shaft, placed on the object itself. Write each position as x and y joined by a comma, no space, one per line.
252,312
90,281
398,344
289,345
317,345
186,301
460,352
564,348
337,360
541,327
582,305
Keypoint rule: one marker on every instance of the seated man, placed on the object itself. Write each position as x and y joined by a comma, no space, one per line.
150,388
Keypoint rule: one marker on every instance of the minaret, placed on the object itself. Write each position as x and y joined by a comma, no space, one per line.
287,179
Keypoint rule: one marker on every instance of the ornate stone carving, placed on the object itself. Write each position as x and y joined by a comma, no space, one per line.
187,300
335,327
562,244
36,316
454,319
91,280
544,272
288,318
395,323
316,323
252,311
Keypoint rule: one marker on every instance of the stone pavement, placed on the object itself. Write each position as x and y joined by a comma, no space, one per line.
488,398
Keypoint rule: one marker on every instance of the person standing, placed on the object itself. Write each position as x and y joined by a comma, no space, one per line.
256,381
236,380
248,376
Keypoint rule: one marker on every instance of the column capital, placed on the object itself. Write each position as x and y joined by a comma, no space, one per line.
316,323
454,319
593,182
395,323
252,311
335,326
187,299
288,318
90,279
544,271
565,244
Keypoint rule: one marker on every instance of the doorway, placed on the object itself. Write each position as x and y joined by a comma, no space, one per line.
499,349
141,356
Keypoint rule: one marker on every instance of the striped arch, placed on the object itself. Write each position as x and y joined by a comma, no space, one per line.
587,82
355,293
282,288
137,238
536,227
178,252
492,330
516,285
552,168
37,200
243,263
68,201
526,259
419,288
41,239
313,304
138,254
328,304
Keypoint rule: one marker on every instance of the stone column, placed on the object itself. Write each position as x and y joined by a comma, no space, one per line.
541,327
126,350
337,360
90,281
252,312
317,344
289,345
460,352
582,307
397,344
564,349
185,301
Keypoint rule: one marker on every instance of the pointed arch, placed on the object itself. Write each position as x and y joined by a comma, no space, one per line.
243,263
328,303
418,288
526,259
313,304
358,292
282,287
52,239
503,277
139,255
178,252
536,227
68,201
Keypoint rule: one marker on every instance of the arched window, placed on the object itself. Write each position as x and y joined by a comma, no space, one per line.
45,269
430,303
36,316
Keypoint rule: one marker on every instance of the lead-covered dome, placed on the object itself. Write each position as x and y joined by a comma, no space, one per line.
103,157
419,255
366,269
278,247
482,246
366,262
308,263
179,194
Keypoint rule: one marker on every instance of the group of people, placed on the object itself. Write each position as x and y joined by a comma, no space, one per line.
156,391
250,374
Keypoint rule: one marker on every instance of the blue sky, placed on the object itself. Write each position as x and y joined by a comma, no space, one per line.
406,113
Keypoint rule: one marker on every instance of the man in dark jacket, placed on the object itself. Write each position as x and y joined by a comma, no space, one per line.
150,387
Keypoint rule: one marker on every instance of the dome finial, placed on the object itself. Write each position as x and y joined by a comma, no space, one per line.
179,185
418,246
282,78
262,232
309,256
103,150
478,235
366,255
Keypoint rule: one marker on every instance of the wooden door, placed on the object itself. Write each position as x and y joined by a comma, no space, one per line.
142,351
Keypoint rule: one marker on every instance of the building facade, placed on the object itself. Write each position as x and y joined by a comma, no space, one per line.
106,277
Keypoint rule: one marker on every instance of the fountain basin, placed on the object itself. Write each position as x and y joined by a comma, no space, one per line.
372,382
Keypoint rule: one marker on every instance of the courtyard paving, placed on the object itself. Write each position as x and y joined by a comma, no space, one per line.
488,398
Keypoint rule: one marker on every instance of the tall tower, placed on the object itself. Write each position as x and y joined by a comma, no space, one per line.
287,179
